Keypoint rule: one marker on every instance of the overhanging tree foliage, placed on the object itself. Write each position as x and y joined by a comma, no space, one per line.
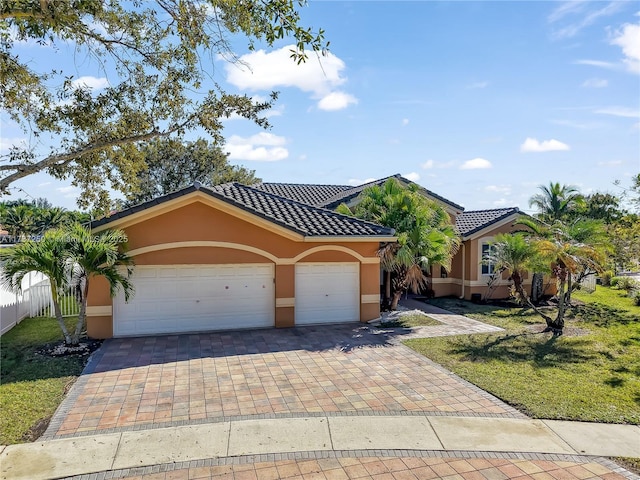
152,54
171,164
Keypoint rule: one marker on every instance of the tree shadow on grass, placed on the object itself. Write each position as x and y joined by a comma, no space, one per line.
602,315
544,352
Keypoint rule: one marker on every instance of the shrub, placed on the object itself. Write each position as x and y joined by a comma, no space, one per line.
636,298
624,283
605,278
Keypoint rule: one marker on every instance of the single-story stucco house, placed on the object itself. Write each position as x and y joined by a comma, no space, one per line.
268,255
477,228
234,256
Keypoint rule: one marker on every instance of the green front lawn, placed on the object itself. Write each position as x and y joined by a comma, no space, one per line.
592,373
408,320
32,385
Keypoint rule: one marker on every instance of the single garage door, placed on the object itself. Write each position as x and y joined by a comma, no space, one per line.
189,298
327,293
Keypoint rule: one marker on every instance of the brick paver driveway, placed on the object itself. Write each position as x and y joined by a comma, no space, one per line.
386,468
168,380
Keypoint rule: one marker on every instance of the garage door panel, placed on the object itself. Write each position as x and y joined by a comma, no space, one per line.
197,298
327,293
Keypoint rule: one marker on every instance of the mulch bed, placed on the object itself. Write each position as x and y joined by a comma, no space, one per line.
59,349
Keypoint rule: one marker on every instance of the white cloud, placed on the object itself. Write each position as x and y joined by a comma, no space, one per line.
44,184
503,189
405,122
7,142
578,125
336,101
477,85
595,83
610,163
320,75
92,83
620,112
598,63
534,145
565,9
356,181
476,164
585,18
261,147
69,191
432,164
501,203
302,157
428,164
413,176
628,38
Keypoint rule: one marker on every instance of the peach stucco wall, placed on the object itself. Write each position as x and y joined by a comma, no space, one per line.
468,259
221,237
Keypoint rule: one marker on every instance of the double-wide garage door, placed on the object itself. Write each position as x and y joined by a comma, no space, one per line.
189,298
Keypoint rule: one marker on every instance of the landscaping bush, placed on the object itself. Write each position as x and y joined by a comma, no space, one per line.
624,283
636,298
605,278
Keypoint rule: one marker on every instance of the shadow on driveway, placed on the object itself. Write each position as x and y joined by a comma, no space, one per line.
120,353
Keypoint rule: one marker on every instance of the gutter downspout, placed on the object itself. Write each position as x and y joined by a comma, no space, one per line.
464,263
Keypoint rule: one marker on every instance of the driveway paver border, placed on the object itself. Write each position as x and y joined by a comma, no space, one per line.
329,454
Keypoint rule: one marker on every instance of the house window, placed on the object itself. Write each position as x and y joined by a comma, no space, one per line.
487,268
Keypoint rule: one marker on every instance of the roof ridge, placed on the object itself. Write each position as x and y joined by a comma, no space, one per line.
360,187
491,210
313,207
305,184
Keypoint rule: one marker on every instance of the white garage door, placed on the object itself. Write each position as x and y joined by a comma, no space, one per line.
188,298
327,293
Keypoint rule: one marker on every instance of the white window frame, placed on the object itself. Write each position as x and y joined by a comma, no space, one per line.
491,268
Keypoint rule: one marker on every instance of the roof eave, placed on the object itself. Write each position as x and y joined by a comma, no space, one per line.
349,238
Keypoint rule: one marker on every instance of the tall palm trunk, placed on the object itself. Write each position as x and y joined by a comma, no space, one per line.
58,312
387,287
516,277
556,326
82,312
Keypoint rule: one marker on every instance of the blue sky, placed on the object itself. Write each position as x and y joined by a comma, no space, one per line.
480,102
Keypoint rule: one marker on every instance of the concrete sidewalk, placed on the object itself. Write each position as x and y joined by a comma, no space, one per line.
340,433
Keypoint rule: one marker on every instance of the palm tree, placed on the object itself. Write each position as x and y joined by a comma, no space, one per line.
571,252
91,256
69,257
515,254
48,218
426,235
555,201
19,220
46,256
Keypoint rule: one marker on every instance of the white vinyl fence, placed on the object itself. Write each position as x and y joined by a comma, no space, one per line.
34,300
588,283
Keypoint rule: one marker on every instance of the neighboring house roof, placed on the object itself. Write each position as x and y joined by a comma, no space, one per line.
468,223
330,196
315,195
304,219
